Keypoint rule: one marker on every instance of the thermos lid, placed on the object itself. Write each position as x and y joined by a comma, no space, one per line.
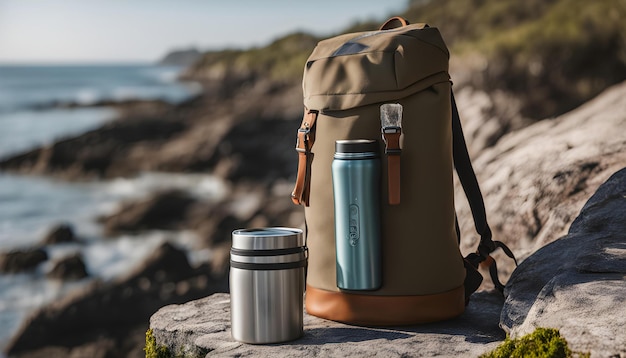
269,238
368,147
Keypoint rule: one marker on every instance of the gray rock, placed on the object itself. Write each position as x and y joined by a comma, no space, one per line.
487,116
69,268
59,234
113,311
181,57
578,283
202,327
240,155
162,210
21,260
536,180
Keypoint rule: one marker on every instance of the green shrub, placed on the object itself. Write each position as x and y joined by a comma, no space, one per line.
282,60
543,342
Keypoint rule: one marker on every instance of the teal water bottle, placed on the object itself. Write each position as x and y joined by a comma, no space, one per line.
356,190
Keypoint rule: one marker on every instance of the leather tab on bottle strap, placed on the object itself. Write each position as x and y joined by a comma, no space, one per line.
391,136
306,138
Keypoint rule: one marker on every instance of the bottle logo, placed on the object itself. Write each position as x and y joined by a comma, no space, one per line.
354,225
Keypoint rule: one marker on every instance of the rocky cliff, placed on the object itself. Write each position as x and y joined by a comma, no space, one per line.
186,57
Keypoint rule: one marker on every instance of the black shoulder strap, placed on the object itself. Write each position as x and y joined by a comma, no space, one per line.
467,177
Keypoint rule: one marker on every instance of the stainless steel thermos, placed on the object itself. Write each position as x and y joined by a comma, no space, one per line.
356,190
267,284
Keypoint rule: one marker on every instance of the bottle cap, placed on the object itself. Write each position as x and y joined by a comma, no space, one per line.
357,146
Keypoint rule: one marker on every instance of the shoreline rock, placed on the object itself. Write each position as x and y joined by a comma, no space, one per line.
22,260
535,180
162,210
121,105
61,233
208,134
577,284
71,268
202,327
110,317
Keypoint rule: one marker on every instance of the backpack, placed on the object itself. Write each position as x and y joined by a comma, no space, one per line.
346,80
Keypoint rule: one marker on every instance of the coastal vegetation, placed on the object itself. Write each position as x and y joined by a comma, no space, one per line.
554,55
543,342
280,61
154,350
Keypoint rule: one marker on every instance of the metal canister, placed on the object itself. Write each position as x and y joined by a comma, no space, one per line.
356,191
267,284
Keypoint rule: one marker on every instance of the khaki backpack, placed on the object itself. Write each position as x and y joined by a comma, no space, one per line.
346,80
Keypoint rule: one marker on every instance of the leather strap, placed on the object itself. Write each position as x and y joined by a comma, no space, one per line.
306,138
391,136
394,22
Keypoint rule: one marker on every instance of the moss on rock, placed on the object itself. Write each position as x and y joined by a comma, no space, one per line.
543,342
152,349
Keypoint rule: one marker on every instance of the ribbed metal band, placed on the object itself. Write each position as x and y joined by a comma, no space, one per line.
268,267
364,155
274,252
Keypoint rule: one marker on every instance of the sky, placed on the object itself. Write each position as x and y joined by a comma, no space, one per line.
92,31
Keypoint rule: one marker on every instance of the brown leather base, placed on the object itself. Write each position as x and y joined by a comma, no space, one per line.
371,310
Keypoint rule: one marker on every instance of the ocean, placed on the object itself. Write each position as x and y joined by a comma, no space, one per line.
31,205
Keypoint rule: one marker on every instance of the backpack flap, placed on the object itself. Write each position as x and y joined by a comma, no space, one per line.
358,69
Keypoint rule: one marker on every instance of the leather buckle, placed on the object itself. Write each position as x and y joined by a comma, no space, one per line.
391,130
387,131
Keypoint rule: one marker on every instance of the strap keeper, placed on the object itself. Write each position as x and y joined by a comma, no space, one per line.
303,139
305,130
391,137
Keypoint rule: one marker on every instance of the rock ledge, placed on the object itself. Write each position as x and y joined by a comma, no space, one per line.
202,327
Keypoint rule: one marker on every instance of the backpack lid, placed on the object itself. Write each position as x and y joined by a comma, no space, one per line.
357,69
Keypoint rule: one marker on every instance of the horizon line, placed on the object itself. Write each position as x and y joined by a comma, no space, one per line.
78,62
